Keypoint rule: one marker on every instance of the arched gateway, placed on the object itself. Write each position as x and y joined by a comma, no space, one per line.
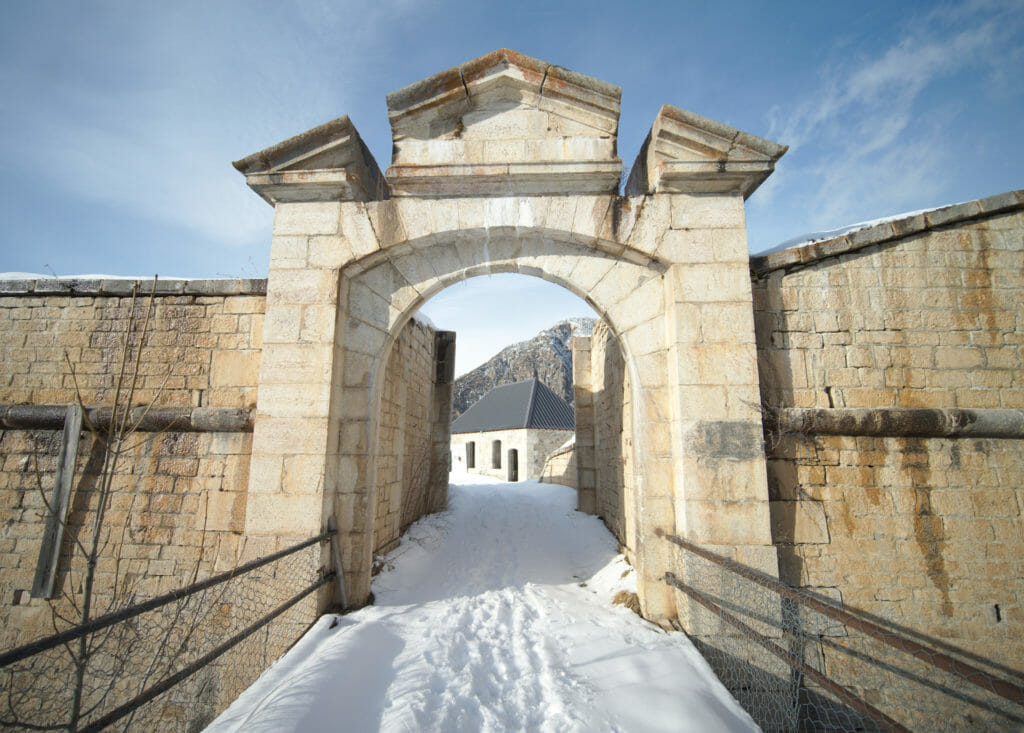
508,164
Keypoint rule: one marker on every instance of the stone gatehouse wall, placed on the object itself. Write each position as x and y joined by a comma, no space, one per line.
926,532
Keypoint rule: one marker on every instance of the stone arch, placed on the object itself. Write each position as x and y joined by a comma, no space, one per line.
509,164
380,293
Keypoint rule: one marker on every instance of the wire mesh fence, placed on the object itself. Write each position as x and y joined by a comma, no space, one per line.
169,668
797,661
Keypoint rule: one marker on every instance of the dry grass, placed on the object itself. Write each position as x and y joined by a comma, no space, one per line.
627,599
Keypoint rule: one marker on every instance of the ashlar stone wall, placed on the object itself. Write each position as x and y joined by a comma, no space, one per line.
182,494
410,481
179,496
177,506
203,350
606,397
560,467
923,531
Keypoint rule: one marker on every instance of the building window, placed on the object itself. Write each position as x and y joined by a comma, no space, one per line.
513,465
496,454
471,454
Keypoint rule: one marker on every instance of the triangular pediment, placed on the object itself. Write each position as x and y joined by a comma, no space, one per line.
327,163
688,153
504,122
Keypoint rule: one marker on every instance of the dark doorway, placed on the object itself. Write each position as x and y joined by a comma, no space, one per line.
513,464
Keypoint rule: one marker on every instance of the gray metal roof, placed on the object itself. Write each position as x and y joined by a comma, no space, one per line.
526,404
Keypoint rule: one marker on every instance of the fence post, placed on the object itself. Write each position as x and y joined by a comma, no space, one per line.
339,573
60,499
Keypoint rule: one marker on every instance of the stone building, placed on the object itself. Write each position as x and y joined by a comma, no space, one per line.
510,431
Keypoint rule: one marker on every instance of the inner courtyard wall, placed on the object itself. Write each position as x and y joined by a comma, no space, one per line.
922,531
560,467
406,457
609,402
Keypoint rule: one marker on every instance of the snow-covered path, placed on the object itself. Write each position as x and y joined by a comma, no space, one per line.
495,615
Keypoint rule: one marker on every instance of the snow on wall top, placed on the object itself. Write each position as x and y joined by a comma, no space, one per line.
27,283
810,248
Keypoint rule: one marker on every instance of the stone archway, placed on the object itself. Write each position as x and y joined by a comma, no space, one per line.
507,164
627,293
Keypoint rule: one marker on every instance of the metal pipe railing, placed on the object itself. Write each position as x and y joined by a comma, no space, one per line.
978,677
838,690
164,685
102,622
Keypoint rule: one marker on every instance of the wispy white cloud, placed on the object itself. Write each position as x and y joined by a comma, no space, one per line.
874,134
142,110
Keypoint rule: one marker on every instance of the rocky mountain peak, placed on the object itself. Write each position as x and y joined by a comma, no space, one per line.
549,353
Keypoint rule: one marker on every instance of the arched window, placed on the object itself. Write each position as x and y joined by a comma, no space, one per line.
496,454
471,454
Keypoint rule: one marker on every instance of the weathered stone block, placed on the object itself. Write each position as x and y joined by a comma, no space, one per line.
696,211
234,369
226,511
306,218
283,514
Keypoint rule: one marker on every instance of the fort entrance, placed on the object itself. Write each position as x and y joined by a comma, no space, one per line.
508,164
845,416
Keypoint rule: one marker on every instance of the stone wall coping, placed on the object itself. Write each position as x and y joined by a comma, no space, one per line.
122,287
796,258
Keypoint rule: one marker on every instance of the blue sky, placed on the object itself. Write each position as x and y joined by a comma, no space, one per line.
120,119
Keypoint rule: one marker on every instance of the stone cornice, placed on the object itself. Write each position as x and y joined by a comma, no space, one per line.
798,257
505,179
327,163
688,153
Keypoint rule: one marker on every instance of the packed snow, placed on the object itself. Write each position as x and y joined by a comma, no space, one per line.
495,615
